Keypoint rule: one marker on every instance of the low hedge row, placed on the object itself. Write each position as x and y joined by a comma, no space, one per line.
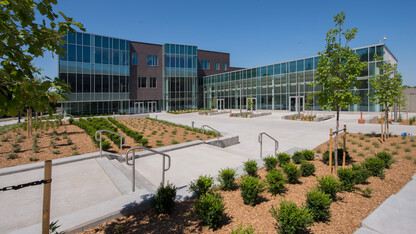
137,137
90,130
103,124
208,132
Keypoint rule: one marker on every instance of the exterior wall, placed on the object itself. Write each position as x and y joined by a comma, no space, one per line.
410,94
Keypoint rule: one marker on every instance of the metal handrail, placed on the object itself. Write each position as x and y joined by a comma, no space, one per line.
134,163
121,142
203,132
276,143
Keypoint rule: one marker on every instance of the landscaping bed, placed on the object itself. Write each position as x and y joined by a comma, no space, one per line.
347,211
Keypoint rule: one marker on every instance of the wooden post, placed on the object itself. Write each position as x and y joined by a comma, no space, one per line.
330,151
36,120
47,198
407,115
27,118
382,133
345,147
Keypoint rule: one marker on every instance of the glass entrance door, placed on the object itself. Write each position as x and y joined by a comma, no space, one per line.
220,104
138,107
151,106
295,106
251,104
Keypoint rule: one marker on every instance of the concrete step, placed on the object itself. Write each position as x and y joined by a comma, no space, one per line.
115,175
141,181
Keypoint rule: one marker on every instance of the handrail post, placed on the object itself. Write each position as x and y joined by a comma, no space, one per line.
101,147
163,175
261,144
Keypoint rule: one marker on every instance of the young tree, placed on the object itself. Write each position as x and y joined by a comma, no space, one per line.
28,28
337,72
386,87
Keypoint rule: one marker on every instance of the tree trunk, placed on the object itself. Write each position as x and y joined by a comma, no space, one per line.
20,116
336,141
386,123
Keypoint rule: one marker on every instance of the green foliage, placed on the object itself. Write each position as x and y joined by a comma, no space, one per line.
329,185
16,148
242,230
251,187
308,154
202,185
131,133
375,166
227,179
33,159
307,168
283,158
71,120
250,167
90,130
290,218
144,141
53,227
319,203
210,208
386,157
164,199
270,162
275,181
12,156
325,157
361,174
347,176
292,173
298,157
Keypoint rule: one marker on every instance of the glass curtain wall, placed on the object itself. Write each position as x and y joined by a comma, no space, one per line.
97,69
180,84
276,86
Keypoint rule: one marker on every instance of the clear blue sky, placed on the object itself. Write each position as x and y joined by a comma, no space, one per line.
254,32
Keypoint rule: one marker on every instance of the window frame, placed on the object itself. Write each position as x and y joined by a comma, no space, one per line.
150,82
140,81
152,60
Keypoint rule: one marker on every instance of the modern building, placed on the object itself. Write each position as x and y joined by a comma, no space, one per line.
112,75
278,86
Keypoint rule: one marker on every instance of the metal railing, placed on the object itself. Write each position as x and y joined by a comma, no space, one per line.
121,142
134,163
276,143
203,132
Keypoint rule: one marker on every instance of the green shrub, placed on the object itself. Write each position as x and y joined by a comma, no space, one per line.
361,174
12,156
307,168
329,185
210,209
242,230
227,179
292,173
105,145
308,154
375,166
251,187
283,158
276,181
16,148
270,162
164,200
347,177
297,157
56,152
144,141
250,167
325,157
33,159
291,218
202,185
71,120
386,157
319,203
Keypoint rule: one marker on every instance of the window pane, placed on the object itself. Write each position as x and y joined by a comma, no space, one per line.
106,85
79,38
299,65
71,38
71,52
277,69
79,53
308,64
86,40
116,43
87,84
133,59
98,41
98,83
293,66
86,56
116,84
116,57
363,53
105,42
105,56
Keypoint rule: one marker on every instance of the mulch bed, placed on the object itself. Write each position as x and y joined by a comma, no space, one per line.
347,211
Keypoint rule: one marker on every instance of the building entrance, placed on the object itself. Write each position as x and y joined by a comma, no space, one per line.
220,104
295,106
138,107
151,107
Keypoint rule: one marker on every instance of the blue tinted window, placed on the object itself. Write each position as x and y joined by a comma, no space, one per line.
71,52
151,60
224,66
270,70
277,69
79,38
380,51
316,62
105,42
98,55
116,57
124,45
363,53
105,56
263,71
300,65
194,50
284,68
79,53
133,59
116,43
217,65
205,64
97,41
167,49
86,40
372,52
64,55
292,66
87,53
309,64
173,49
71,38
182,49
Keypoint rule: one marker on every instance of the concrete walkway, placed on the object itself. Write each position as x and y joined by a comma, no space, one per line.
91,190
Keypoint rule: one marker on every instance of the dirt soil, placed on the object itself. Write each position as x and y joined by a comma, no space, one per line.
159,135
347,211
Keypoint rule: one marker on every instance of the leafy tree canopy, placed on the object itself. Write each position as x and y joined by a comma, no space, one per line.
24,37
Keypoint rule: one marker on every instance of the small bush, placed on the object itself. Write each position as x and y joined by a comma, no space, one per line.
325,157
33,159
386,158
308,154
144,141
164,200
227,179
292,173
319,204
361,174
307,168
210,209
276,181
329,185
202,185
290,218
105,145
250,188
56,152
242,230
283,158
375,166
250,167
75,153
71,120
347,177
270,162
12,156
297,157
